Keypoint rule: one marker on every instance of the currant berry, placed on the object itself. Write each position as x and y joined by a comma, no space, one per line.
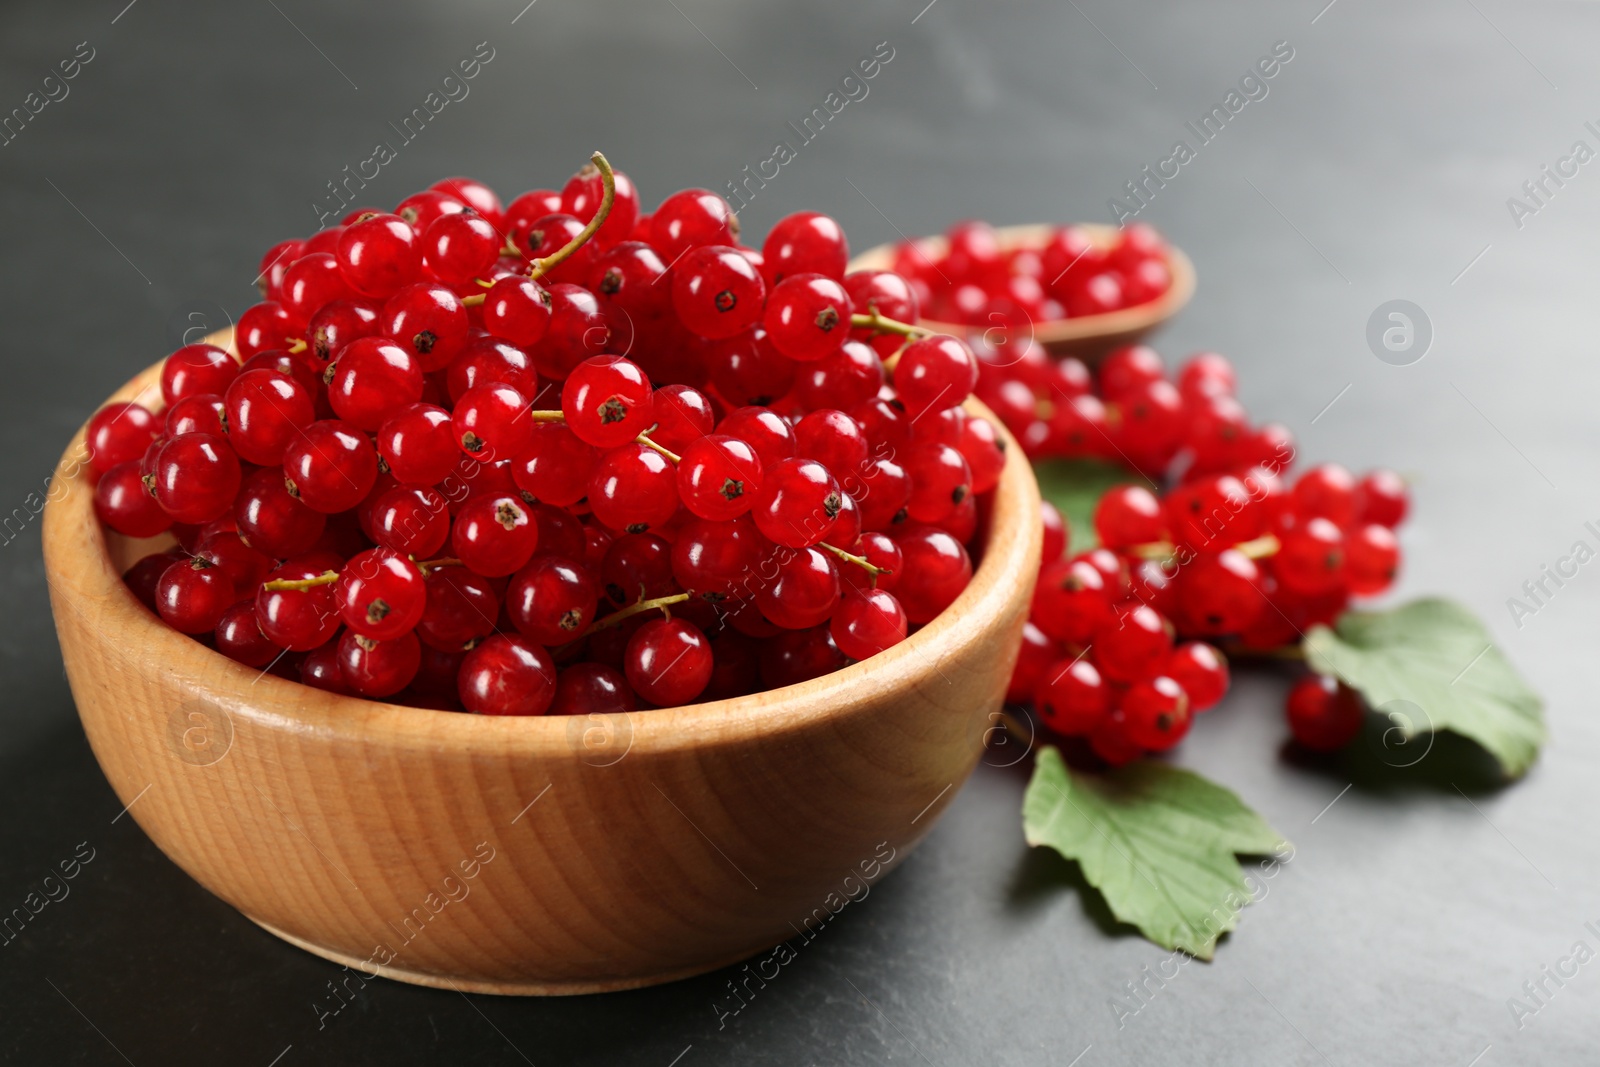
592,689
1326,492
518,310
634,488
122,502
320,669
1207,374
883,491
263,327
239,637
202,413
461,609
380,255
370,379
764,429
556,466
802,592
845,379
311,283
265,410
299,619
807,317
1129,515
552,600
690,218
935,373
718,560
1071,602
1036,654
418,443
192,595
806,243
381,594
1311,558
682,415
494,534
1073,698
377,668
796,656
1202,672
1133,646
1220,594
460,247
637,567
940,482
867,622
476,195
491,423
1055,534
195,479
1372,556
716,292
1214,512
668,662
1324,716
1111,743
196,369
411,520
798,503
1382,498
331,467
272,520
582,195
718,477
833,439
937,569
488,360
1155,713
606,401
228,552
428,321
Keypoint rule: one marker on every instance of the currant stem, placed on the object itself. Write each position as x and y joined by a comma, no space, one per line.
644,439
873,320
1259,548
428,566
297,346
474,300
850,557
662,602
608,181
547,416
300,585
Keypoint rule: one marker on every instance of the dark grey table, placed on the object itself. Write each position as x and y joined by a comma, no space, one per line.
1377,166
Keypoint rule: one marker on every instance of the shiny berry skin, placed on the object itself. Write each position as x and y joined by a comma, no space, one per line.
764,429
1129,515
935,373
719,560
668,662
341,322
428,321
880,550
420,210
883,291
192,595
491,423
834,440
1071,602
606,401
592,689
637,567
690,218
626,277
331,467
380,594
1221,594
634,488
380,255
1129,367
682,415
370,379
320,669
1037,653
195,369
271,519
122,502
1134,645
508,675
265,411
412,520
1073,698
274,264
418,442
806,243
1372,556
1324,716
1150,429
298,619
1213,512
518,309
798,503
201,413
476,195
488,360
375,668
807,317
867,622
1155,713
1218,428
548,235
1110,741
462,609
494,534
195,478
460,247
1311,558
719,477
239,637
552,600
1328,492
796,656
528,208
802,591
940,481
985,452
311,283
557,466
262,327
845,379
935,568
1055,534
1382,498
882,491
1207,374
716,292
1201,670
228,552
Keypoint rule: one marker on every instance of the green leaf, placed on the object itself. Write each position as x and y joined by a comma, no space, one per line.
1439,657
1158,842
1075,486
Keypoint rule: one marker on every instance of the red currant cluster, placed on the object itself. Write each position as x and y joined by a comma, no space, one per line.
1231,552
976,282
430,472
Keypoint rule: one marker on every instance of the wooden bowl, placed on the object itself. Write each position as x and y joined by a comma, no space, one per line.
1090,337
530,855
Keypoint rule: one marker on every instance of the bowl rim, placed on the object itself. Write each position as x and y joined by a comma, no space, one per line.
1135,319
78,560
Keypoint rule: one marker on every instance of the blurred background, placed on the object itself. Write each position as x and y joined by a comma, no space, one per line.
1380,165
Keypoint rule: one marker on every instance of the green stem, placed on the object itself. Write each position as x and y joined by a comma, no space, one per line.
631,610
608,181
300,585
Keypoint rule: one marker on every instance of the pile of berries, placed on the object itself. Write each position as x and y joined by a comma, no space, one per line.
977,282
1230,551
558,456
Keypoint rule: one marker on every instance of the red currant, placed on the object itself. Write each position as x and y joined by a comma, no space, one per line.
1324,716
